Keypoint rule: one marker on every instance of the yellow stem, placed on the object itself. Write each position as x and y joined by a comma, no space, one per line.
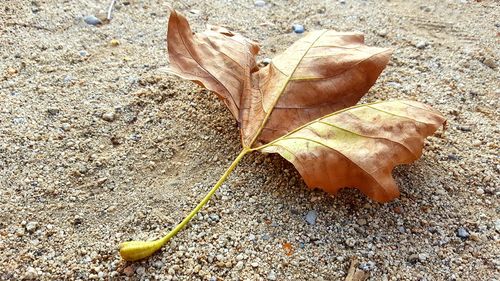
136,250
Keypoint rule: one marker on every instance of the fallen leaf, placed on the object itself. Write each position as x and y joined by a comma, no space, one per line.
216,59
302,106
298,105
359,146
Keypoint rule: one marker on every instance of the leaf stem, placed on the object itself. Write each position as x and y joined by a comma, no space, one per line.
136,250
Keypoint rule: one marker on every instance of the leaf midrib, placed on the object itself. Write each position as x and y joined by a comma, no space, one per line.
282,90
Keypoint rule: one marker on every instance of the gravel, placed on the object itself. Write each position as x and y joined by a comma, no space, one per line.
69,197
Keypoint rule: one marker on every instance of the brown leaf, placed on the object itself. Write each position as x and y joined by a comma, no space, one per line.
300,104
359,146
216,59
321,73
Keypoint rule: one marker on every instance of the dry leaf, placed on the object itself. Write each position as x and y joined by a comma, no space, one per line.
216,59
319,75
359,146
301,106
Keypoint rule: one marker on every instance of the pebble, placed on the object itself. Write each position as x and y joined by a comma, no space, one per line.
83,53
109,116
31,273
462,233
254,264
239,265
422,257
214,217
259,3
114,42
92,20
489,62
266,61
53,110
362,221
271,275
65,126
350,242
382,33
342,1
367,266
140,270
413,258
421,45
31,226
497,225
311,217
475,237
129,270
298,28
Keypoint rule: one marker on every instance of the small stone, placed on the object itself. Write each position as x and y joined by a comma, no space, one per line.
342,1
251,237
83,53
422,257
497,225
413,258
31,226
214,217
475,237
109,116
11,71
259,3
31,273
489,62
311,217
68,79
65,126
129,270
254,264
266,61
271,275
477,143
239,265
462,233
53,110
421,45
298,28
135,137
382,33
114,42
367,266
362,221
140,270
92,20
350,242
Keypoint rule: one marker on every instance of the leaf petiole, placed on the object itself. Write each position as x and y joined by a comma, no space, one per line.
136,250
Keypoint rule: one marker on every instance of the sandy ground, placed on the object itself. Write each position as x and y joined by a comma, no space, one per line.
98,146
